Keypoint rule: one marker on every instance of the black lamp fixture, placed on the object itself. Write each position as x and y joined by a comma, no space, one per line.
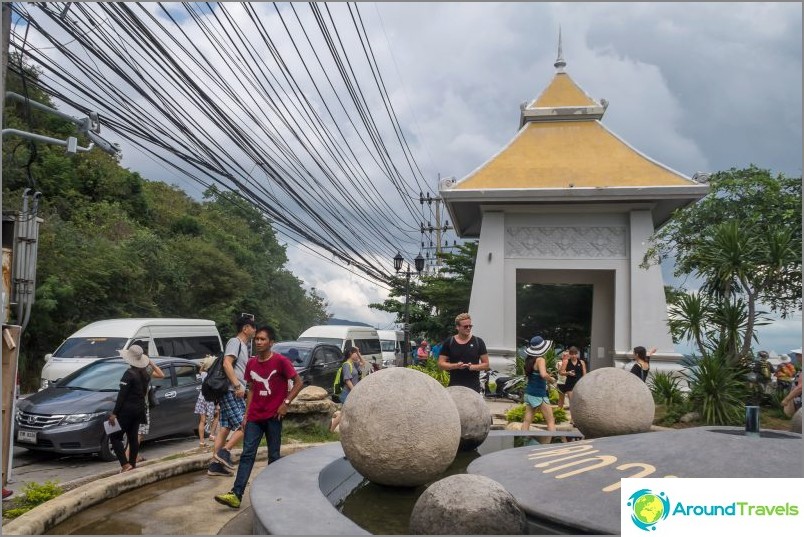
419,264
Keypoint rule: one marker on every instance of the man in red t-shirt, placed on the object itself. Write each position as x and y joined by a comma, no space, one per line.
267,402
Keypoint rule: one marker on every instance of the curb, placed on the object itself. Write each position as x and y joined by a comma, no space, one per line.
92,490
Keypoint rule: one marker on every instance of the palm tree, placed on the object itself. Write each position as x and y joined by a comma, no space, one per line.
688,318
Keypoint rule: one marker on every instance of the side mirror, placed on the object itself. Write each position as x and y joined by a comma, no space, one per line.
48,356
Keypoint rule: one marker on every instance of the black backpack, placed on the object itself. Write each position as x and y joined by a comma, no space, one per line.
216,383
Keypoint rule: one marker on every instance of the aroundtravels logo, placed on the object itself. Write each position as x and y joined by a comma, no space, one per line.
648,508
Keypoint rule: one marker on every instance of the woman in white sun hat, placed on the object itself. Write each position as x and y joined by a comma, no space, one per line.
129,409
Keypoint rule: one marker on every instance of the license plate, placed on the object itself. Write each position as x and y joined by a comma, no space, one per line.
27,436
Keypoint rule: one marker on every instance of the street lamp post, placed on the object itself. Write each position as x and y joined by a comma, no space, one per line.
419,263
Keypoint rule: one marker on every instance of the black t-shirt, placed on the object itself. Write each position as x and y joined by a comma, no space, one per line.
469,352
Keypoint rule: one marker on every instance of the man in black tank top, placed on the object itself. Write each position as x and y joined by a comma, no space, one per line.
463,355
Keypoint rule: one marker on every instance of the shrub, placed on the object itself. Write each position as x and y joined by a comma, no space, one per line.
717,390
33,494
517,414
665,388
432,369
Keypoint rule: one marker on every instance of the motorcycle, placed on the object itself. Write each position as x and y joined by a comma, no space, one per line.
511,388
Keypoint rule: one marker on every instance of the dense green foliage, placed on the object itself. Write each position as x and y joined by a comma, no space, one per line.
431,369
33,494
113,244
435,299
743,242
665,388
517,414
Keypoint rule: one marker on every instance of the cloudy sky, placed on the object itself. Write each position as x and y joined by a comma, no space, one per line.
698,87
695,86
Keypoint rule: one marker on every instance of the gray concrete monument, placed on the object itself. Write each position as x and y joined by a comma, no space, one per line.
466,504
400,427
610,401
475,416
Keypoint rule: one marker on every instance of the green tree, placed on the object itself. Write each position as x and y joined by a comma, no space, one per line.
114,244
743,241
435,300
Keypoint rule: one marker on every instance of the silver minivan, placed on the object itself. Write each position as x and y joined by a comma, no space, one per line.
181,338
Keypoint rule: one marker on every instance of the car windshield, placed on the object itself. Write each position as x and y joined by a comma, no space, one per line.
299,356
388,345
90,347
338,342
96,377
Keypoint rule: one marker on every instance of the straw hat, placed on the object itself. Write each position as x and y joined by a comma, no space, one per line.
135,356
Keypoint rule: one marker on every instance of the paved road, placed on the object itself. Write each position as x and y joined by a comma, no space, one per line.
38,466
34,466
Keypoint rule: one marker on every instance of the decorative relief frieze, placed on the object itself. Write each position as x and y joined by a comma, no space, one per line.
566,242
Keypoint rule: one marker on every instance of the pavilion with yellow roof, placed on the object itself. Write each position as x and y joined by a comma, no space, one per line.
567,201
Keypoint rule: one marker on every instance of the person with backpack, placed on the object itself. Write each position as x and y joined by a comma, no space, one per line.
232,404
463,355
346,378
349,373
268,375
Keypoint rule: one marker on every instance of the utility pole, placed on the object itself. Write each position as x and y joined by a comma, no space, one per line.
439,228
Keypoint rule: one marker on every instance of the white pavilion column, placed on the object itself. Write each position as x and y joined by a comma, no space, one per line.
649,326
487,304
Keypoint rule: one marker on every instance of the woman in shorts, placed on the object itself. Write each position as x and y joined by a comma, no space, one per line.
538,378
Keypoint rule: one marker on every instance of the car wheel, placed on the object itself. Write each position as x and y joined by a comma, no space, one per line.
107,454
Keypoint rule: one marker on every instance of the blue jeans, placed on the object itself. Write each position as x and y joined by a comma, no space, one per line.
272,429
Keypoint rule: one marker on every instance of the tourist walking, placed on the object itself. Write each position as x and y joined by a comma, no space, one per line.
150,400
562,378
463,355
205,409
536,395
267,375
350,374
232,405
573,369
422,354
129,408
641,366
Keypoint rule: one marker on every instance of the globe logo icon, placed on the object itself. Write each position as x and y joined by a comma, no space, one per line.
648,508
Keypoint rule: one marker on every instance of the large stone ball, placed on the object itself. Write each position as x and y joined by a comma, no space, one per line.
795,422
467,504
400,427
475,416
610,402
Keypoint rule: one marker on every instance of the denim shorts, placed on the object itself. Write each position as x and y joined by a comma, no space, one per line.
535,401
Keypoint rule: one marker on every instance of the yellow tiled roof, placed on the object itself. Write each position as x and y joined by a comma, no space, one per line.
562,91
555,154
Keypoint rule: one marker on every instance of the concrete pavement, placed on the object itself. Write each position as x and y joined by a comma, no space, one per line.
192,508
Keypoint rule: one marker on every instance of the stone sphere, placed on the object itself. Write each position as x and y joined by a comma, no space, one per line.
795,422
467,504
610,402
400,427
475,416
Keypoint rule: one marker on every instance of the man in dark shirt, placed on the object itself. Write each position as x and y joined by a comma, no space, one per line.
464,355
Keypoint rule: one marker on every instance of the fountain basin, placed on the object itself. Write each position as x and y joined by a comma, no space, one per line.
305,493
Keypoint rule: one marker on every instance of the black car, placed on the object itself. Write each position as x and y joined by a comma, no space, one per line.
68,417
316,363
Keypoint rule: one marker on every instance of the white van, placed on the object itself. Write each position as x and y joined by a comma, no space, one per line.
392,343
365,338
182,338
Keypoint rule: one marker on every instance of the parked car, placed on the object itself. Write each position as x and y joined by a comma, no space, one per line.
365,338
68,416
316,363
